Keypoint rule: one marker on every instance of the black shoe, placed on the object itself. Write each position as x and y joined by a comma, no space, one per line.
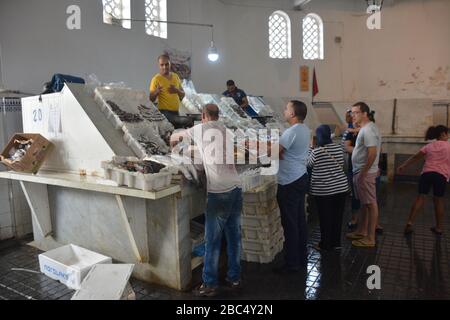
204,291
234,285
284,269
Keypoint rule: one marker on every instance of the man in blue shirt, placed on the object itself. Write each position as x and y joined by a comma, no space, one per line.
292,187
238,95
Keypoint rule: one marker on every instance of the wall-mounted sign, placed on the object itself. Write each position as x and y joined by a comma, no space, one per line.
304,78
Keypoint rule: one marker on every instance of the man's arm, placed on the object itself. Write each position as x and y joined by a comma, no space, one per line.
281,153
348,146
179,91
371,156
155,90
244,103
176,137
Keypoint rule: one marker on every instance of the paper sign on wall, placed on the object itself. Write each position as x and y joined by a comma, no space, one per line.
304,78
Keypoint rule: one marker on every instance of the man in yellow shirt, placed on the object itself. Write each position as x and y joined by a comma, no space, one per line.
166,87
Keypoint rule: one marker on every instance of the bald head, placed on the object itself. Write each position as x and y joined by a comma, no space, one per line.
210,112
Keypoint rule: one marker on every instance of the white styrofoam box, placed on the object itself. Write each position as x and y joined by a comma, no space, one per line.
134,145
261,233
264,193
70,264
137,180
260,221
107,282
263,245
262,257
129,100
254,208
131,136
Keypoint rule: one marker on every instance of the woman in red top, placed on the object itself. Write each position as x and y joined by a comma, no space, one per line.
435,173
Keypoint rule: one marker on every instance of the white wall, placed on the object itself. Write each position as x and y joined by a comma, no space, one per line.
408,58
36,43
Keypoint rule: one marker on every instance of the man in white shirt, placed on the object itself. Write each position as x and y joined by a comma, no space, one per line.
365,159
215,144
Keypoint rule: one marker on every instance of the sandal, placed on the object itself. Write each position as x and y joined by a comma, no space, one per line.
379,230
351,226
354,236
438,233
363,243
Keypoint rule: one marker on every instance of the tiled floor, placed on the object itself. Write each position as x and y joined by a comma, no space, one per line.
415,267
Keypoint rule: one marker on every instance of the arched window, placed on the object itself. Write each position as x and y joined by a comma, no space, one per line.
279,35
156,10
312,37
115,10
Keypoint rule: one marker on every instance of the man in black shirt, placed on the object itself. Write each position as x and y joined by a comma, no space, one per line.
238,95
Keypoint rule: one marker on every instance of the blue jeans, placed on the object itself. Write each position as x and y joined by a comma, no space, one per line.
223,215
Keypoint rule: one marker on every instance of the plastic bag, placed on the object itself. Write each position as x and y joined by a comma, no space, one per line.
92,82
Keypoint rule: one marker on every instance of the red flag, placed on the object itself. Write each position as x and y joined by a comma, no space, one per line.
315,86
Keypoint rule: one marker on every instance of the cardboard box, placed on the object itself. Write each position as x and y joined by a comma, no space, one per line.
34,157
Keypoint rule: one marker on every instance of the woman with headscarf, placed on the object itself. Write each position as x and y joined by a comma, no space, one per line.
329,186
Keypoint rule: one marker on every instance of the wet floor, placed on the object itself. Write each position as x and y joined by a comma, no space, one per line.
414,267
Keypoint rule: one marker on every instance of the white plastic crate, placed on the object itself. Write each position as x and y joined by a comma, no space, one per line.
261,233
262,257
137,180
107,282
265,208
69,264
260,221
264,193
251,180
263,245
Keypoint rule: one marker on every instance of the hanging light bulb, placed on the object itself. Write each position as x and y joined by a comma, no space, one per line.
212,53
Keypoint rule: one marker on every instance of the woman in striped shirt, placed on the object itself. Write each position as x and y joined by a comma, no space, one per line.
329,186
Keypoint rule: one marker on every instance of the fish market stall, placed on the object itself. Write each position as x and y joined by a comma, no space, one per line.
73,199
110,184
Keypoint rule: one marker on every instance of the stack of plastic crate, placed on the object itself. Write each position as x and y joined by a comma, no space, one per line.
262,233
